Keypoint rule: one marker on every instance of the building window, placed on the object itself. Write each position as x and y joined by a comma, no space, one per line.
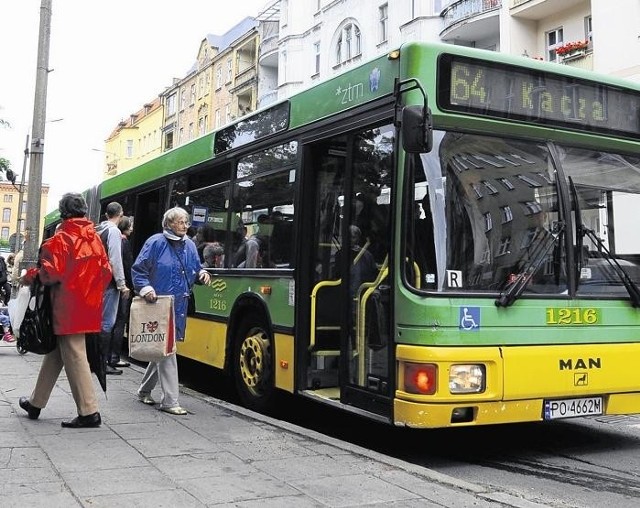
193,94
316,50
229,69
218,77
129,149
5,233
488,222
8,198
191,130
529,181
168,141
200,126
171,105
348,45
505,244
489,187
588,29
507,215
24,207
6,214
383,12
217,119
554,39
183,99
506,183
227,113
181,136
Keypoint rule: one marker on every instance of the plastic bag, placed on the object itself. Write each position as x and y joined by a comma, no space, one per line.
17,308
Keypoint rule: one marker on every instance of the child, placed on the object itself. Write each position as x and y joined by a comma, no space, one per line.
6,325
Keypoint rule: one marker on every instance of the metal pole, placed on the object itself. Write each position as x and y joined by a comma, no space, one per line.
37,141
18,245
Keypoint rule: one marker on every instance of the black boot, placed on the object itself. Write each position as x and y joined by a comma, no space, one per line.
112,370
31,410
82,422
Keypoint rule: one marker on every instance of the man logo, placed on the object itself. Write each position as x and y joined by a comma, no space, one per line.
581,379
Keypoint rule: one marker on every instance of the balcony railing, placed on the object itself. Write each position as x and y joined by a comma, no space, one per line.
581,60
465,9
245,77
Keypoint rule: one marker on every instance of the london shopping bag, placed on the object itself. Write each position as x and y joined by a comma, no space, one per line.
152,329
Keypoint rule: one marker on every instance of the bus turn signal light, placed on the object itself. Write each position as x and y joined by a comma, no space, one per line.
420,378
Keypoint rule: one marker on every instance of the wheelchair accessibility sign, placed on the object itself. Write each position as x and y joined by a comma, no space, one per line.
469,319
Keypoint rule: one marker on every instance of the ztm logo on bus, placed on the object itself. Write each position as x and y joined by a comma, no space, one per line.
218,285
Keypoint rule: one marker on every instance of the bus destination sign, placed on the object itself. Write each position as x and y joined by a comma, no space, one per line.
506,91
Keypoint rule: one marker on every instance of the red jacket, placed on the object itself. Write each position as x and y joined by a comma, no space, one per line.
74,263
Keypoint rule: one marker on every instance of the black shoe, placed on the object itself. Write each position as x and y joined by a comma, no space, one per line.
82,422
31,410
112,370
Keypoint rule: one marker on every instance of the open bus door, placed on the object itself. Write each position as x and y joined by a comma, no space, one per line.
349,295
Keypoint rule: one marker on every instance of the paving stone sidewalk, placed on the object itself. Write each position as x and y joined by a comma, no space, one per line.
218,455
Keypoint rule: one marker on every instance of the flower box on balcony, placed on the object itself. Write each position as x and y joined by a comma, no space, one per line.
577,48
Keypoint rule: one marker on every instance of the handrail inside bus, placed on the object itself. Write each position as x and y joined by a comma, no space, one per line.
314,295
366,290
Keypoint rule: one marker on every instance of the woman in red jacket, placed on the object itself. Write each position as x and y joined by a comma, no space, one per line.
73,262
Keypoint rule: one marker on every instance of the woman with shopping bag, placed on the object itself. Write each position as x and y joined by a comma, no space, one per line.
168,264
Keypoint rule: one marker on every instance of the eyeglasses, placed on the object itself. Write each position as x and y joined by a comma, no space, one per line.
182,223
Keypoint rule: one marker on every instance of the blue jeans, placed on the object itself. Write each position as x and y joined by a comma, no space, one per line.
110,300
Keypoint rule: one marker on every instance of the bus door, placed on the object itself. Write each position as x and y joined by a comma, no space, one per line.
350,293
147,218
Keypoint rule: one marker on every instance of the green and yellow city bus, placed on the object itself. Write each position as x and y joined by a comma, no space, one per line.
440,237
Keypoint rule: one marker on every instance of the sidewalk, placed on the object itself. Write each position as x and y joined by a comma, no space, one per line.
218,455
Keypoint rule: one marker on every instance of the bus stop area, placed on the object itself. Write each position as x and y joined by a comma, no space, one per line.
217,455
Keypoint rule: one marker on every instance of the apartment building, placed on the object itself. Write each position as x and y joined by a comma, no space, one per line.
321,38
134,140
220,87
14,211
294,44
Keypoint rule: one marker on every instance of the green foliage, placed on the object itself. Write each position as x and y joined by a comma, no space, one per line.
5,165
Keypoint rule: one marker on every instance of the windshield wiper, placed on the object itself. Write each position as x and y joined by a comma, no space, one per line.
538,254
632,289
582,231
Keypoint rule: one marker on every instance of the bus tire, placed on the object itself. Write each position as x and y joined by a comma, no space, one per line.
253,359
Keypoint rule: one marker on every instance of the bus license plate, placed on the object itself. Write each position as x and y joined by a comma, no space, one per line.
570,408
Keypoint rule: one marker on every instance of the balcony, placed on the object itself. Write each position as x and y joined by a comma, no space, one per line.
537,10
471,20
243,79
268,52
582,59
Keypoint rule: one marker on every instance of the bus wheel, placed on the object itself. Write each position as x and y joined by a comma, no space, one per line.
254,364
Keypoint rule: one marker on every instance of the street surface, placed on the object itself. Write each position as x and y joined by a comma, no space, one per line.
585,462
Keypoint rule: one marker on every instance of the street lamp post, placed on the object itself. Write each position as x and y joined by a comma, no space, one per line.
18,246
37,141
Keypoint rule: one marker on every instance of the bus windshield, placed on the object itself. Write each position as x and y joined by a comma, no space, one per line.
493,202
488,214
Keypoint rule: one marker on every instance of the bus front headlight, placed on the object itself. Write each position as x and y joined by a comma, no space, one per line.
467,378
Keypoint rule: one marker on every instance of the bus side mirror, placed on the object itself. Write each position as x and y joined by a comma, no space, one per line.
417,131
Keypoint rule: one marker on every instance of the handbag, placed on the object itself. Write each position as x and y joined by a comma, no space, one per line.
17,307
152,329
36,330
